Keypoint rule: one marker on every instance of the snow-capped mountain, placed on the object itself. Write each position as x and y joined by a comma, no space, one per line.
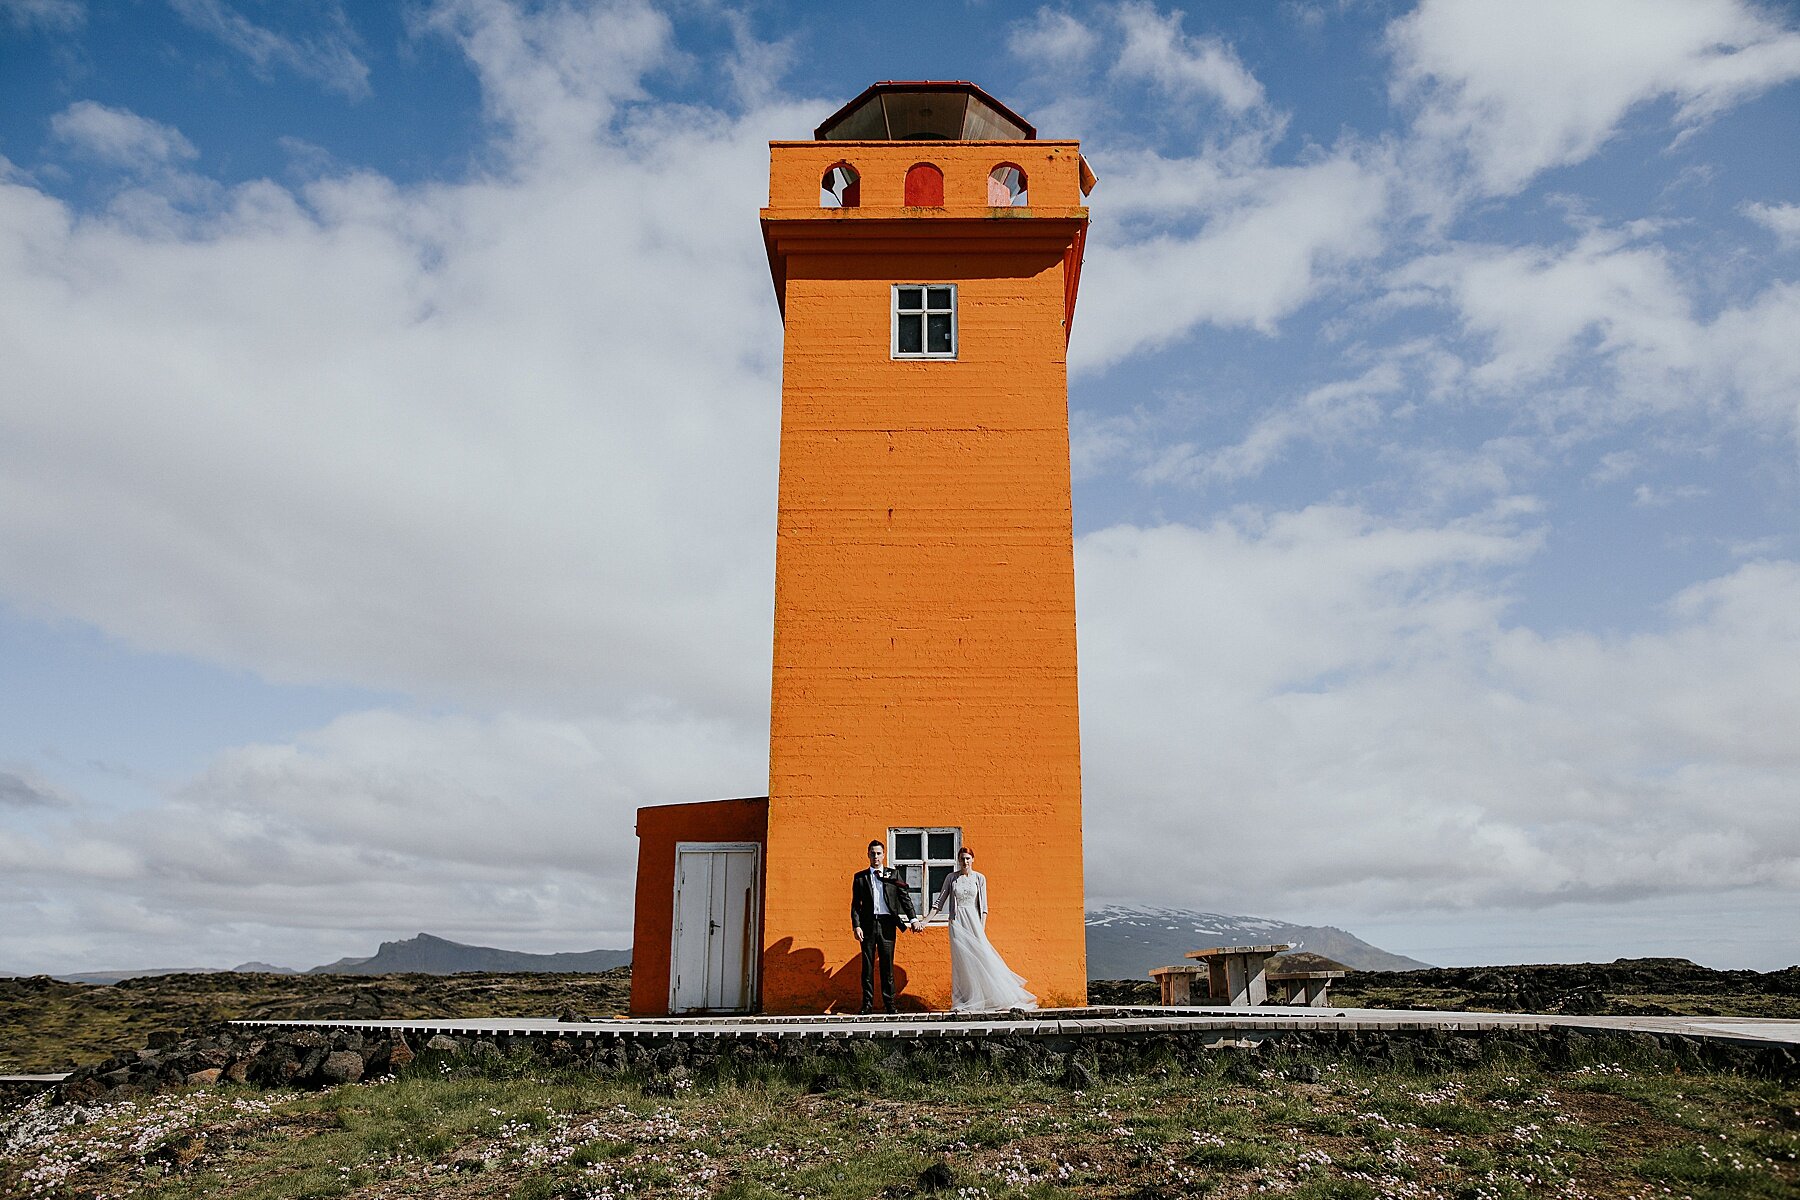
1126,940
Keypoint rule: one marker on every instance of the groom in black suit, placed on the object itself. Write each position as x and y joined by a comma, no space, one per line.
879,904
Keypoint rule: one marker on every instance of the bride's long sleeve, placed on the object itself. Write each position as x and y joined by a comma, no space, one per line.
981,897
945,897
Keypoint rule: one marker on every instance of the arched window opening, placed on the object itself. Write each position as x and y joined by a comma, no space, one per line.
924,186
841,187
1006,187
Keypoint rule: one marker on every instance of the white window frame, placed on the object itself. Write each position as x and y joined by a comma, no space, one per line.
894,315
925,863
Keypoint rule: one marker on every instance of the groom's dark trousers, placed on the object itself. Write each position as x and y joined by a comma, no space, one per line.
878,942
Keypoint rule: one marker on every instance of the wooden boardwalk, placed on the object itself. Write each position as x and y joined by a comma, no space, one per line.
1086,1022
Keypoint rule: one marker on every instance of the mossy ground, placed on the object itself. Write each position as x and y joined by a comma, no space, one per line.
514,1129
48,1025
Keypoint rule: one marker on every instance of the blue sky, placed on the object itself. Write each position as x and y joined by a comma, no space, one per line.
388,412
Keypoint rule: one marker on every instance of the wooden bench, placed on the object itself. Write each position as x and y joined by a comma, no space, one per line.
1177,984
1305,988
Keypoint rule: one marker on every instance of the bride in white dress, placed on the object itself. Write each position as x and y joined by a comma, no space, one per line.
980,980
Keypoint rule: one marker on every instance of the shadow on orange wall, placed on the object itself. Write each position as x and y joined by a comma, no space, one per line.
842,988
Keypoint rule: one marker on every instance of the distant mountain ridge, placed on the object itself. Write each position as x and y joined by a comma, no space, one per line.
107,978
426,954
1125,940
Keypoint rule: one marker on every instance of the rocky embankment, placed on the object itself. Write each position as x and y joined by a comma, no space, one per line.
291,1058
321,1058
214,1052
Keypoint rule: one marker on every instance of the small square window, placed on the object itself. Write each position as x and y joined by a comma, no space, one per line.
924,320
925,858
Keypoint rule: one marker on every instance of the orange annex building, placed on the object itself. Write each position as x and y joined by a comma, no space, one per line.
925,249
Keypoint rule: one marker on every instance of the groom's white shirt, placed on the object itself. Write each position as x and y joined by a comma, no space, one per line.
878,894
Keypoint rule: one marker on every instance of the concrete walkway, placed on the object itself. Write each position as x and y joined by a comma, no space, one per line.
1079,1022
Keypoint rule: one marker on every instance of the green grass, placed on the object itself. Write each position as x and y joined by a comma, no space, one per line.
520,1132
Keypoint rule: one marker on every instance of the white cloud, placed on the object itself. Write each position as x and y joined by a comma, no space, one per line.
1534,303
505,444
1616,465
513,829
1645,496
23,788
508,437
1269,239
1340,702
1158,51
330,57
1750,350
1533,84
555,78
1433,476
1783,220
1052,39
1308,17
1097,440
45,14
1325,414
1209,229
120,138
1613,300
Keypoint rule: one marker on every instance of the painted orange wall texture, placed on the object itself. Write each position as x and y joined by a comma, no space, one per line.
924,658
658,831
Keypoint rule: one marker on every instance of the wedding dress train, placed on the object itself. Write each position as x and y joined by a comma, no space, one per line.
980,980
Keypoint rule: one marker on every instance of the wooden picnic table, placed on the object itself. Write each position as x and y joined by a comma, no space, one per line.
1236,975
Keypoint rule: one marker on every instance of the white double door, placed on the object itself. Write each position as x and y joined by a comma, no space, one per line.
713,964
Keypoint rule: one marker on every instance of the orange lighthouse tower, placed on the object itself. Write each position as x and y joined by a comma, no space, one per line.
925,249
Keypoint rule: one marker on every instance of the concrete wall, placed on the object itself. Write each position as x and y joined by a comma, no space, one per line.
658,829
924,659
1051,168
